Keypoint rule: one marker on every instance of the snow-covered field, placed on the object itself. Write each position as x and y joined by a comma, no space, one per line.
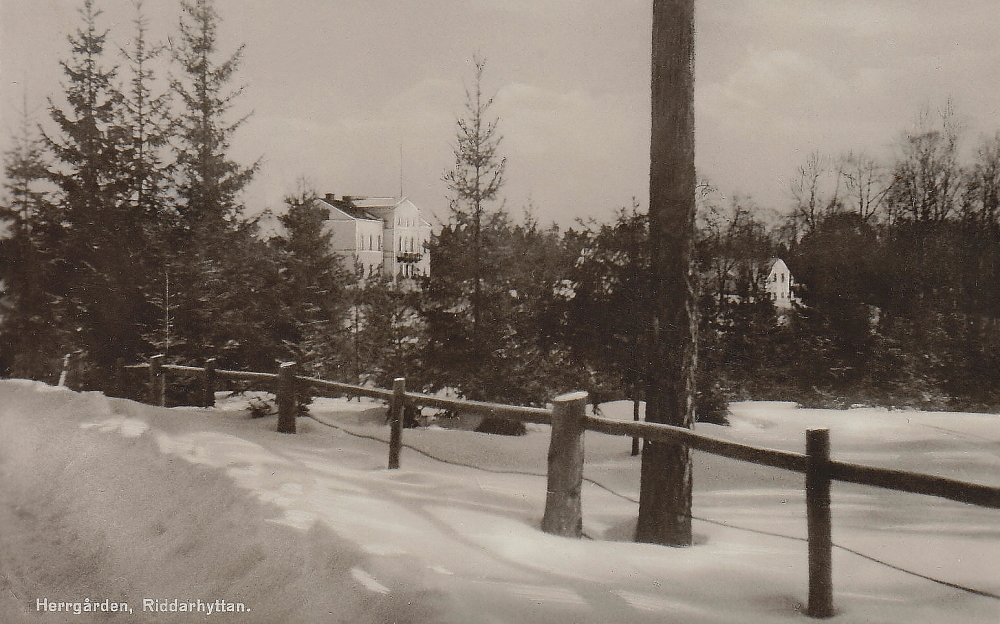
108,502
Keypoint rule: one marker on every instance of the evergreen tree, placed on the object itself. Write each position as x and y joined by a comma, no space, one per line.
513,357
463,338
604,305
209,182
29,327
147,119
476,180
390,333
99,298
314,286
148,126
225,270
538,261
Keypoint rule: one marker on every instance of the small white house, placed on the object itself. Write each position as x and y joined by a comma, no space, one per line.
381,235
779,283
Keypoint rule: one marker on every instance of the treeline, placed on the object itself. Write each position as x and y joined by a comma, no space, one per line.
898,271
126,238
896,300
126,233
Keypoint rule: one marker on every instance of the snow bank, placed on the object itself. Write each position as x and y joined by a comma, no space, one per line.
109,499
89,516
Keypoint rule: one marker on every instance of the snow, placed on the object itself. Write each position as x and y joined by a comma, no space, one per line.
108,499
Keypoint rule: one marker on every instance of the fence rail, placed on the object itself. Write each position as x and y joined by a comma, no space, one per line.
666,433
567,416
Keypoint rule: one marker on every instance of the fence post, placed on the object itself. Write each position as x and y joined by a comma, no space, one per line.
157,381
286,397
819,523
635,418
64,375
563,512
208,381
396,421
118,378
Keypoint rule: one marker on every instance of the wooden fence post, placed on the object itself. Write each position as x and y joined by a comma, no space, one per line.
396,421
563,511
118,378
64,374
72,371
819,523
286,397
208,381
635,418
157,381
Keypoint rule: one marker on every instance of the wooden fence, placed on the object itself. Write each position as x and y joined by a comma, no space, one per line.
569,421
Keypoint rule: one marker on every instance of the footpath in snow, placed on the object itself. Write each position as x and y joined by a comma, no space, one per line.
105,501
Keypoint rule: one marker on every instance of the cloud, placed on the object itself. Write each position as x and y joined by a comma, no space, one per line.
587,152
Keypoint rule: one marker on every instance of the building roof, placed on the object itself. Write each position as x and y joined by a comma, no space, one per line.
376,202
371,208
348,206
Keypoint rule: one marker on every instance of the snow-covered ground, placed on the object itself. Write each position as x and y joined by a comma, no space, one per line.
108,500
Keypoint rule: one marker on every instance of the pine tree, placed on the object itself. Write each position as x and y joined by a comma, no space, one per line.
148,126
29,340
604,311
314,287
465,296
475,180
209,182
98,244
218,257
147,119
464,339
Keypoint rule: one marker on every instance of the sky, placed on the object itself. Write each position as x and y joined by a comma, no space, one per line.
361,97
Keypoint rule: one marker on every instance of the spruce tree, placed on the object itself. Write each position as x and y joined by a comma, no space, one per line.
98,298
313,286
222,308
465,256
146,120
476,180
209,182
29,339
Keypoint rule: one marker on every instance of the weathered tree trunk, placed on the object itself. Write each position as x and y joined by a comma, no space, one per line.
665,486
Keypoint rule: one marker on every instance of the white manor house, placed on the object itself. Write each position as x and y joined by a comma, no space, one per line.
380,235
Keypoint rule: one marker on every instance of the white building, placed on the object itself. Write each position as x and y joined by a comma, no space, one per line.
380,235
779,284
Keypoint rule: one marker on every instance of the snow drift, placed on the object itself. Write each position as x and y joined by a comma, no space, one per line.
109,500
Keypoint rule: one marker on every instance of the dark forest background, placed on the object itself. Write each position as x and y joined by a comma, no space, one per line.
125,238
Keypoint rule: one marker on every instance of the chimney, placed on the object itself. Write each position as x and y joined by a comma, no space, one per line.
331,197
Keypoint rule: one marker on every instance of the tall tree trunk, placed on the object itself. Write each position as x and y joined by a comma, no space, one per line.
665,494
